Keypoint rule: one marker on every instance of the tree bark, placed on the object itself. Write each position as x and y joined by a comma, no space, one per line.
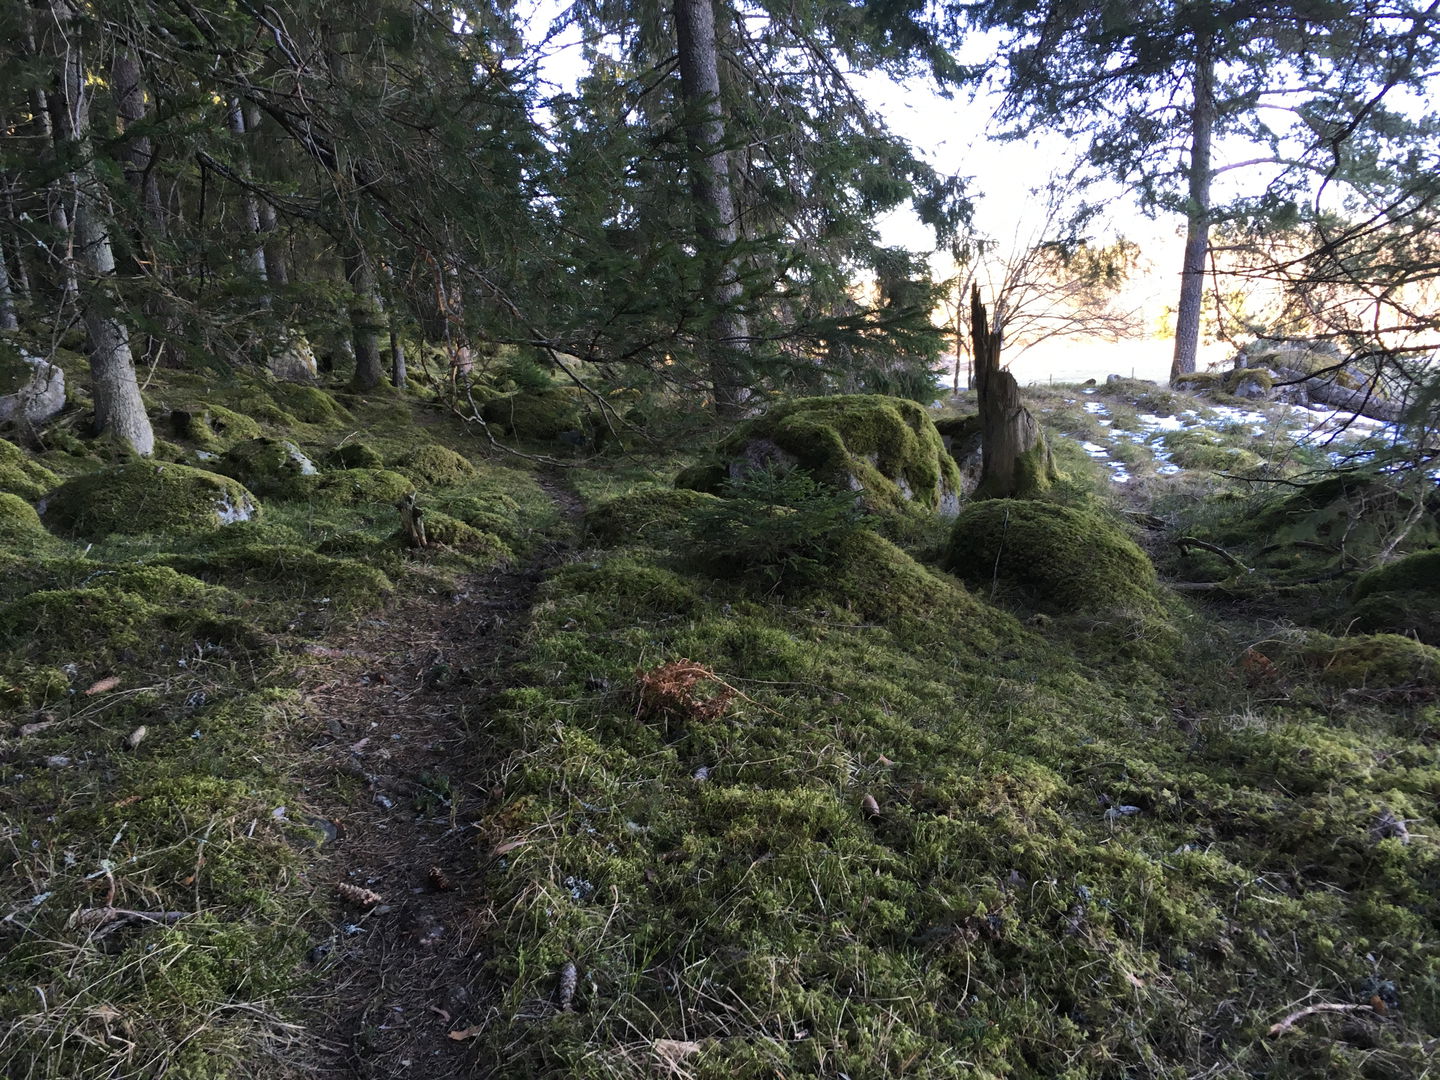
397,360
8,318
728,333
254,250
277,267
119,409
137,154
367,319
1015,460
1197,236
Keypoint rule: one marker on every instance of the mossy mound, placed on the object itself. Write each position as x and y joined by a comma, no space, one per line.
213,428
293,573
1057,558
143,497
1418,572
542,414
1414,615
21,476
877,581
269,467
1385,666
483,547
1198,448
886,447
118,611
434,465
356,455
21,532
353,487
656,517
308,404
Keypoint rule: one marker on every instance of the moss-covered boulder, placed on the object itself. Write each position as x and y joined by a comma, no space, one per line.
269,467
143,497
21,476
287,570
21,532
1384,666
542,414
355,455
308,404
656,518
885,447
1402,597
352,487
433,465
1056,558
213,428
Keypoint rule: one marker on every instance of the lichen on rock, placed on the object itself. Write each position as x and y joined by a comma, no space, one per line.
144,497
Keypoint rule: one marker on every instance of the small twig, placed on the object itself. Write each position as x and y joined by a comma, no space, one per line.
1311,1010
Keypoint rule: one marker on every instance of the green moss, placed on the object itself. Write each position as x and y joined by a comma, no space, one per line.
633,583
1383,665
1200,448
433,465
356,487
18,520
308,404
269,467
1035,473
1418,572
354,455
143,497
1198,381
709,477
886,447
484,547
118,611
213,428
1236,377
289,572
1058,558
657,517
21,476
542,414
1413,614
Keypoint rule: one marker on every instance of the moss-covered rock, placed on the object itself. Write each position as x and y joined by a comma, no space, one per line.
1057,558
143,497
355,455
483,547
213,428
1382,665
709,476
961,436
270,467
352,487
886,447
21,476
433,465
308,404
1412,614
656,518
21,532
542,414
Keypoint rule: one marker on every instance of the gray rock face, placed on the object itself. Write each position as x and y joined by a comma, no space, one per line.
31,392
294,361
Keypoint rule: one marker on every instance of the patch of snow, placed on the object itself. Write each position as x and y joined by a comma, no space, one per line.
1095,450
1096,408
1167,470
1160,423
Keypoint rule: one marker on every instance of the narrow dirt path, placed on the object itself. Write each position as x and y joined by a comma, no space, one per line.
401,710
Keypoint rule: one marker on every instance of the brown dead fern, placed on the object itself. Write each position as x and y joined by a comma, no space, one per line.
682,690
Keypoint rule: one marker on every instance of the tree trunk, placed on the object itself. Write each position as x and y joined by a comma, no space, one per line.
729,331
1197,237
277,267
137,153
397,360
367,319
119,409
1015,460
8,319
254,247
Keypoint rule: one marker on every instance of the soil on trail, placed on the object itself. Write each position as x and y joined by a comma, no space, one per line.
400,704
